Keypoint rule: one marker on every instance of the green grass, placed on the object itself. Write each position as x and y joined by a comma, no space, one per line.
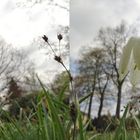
54,121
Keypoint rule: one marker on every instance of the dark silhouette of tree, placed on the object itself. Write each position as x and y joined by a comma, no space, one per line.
92,77
14,91
113,40
102,88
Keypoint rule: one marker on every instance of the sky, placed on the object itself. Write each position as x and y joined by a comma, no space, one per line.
23,22
88,16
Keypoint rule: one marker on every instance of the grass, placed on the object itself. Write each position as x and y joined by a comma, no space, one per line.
53,120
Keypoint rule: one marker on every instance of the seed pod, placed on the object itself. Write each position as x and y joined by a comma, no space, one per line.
58,58
60,37
45,38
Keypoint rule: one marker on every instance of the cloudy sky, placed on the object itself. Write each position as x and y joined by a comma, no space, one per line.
22,22
88,16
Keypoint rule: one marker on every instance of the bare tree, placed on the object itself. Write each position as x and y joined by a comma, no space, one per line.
113,40
102,86
93,78
13,63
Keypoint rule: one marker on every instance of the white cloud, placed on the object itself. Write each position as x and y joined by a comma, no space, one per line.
21,25
88,16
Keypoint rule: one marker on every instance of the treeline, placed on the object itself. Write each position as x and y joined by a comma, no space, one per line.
98,68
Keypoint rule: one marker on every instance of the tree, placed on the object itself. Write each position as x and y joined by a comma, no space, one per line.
52,3
102,86
113,40
14,65
14,91
30,82
92,76
60,85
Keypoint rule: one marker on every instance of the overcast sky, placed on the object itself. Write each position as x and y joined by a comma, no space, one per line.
88,16
22,22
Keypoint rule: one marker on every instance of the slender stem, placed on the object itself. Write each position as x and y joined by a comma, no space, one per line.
59,48
74,98
70,77
51,48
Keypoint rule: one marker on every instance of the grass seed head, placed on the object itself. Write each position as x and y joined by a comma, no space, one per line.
45,38
60,37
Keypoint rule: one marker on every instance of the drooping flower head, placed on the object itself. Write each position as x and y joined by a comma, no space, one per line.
130,60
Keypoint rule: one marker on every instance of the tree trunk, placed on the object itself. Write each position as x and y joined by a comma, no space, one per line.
119,100
101,105
90,104
91,97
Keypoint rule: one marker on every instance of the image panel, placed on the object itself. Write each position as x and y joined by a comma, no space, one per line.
104,59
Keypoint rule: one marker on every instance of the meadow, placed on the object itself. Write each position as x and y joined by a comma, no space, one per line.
53,119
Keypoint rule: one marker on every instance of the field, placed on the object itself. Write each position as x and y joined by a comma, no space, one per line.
55,120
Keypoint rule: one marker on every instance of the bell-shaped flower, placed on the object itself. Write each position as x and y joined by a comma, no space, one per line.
130,61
